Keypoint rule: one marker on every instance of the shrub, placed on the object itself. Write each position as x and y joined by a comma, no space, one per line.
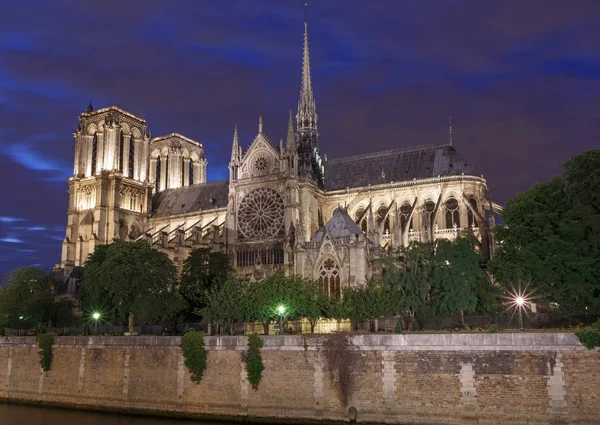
194,353
254,363
398,328
493,329
596,325
45,343
589,337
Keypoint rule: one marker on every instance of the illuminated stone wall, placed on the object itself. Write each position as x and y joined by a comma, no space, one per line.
427,379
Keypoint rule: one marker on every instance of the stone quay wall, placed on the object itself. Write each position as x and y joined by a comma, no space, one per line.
524,378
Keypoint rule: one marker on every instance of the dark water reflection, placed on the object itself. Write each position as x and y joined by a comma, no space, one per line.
12,414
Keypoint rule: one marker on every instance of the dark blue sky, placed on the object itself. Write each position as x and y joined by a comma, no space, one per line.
520,78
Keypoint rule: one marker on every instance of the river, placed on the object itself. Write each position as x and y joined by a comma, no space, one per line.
12,414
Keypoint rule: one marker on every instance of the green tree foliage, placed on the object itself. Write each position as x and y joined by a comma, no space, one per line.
551,237
337,309
370,302
203,271
227,304
456,275
27,301
266,295
131,278
194,353
408,277
312,301
254,363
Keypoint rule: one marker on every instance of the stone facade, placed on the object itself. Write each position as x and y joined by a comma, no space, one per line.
285,207
399,379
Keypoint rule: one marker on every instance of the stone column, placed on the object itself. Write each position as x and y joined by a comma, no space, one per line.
78,148
126,141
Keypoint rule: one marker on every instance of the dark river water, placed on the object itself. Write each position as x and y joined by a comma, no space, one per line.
12,414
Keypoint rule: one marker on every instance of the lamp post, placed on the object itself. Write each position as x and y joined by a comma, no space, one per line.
520,303
96,316
281,311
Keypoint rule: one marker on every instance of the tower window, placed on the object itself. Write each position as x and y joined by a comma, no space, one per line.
470,216
191,182
94,153
131,156
157,179
121,159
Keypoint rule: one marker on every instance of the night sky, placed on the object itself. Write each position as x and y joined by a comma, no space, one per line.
521,80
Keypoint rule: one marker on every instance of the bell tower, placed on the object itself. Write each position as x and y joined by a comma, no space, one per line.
109,194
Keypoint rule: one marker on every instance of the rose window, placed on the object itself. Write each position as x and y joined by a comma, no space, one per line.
260,165
260,214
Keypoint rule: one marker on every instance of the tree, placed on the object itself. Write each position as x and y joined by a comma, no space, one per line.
312,301
227,304
551,237
202,271
131,281
337,309
369,302
456,276
27,299
268,294
407,277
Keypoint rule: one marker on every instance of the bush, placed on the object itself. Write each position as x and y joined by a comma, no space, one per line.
45,343
194,353
596,325
589,337
254,363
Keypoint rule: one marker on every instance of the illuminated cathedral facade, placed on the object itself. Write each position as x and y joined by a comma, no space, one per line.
284,207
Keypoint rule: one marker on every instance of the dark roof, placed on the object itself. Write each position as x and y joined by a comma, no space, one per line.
190,199
418,162
340,225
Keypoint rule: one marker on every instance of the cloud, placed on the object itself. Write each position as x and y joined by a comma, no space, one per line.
4,219
10,239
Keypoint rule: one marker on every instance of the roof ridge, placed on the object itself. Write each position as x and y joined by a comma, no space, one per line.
389,151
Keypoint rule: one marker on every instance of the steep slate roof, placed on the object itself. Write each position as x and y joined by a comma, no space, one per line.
418,162
340,225
191,199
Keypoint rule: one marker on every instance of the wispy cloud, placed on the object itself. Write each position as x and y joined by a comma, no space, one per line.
10,239
5,219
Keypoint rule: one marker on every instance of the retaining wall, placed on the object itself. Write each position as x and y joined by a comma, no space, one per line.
516,378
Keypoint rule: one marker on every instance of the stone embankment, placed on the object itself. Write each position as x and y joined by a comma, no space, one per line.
524,378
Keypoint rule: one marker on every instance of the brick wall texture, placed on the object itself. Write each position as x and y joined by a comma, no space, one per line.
558,383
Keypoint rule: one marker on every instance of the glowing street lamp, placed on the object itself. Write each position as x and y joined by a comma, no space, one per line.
519,300
96,316
281,311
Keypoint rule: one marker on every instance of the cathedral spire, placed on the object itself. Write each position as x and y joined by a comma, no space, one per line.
235,147
306,119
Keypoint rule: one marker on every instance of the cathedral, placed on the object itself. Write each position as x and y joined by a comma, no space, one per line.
285,207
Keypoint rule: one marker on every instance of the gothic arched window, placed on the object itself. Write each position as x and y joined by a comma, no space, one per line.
157,174
94,153
191,181
452,213
361,219
329,276
405,210
121,160
429,208
470,216
131,156
383,217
